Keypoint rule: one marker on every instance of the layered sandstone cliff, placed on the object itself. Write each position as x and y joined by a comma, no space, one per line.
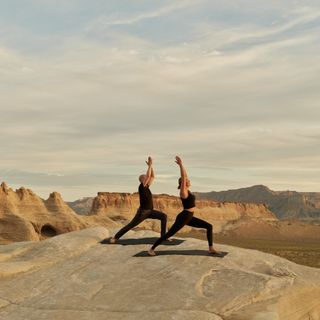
122,206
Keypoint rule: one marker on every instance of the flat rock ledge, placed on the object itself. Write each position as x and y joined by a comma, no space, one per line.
75,276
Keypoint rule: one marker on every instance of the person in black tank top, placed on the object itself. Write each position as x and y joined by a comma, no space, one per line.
145,211
186,216
145,197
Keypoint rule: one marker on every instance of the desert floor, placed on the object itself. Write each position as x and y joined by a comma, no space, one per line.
301,252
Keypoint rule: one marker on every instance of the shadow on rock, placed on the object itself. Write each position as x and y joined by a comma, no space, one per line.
152,240
184,253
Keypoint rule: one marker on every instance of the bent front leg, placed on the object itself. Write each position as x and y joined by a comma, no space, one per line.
181,220
199,223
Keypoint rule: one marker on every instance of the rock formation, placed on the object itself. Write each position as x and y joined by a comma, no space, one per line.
122,206
285,204
235,219
73,276
14,227
25,216
81,206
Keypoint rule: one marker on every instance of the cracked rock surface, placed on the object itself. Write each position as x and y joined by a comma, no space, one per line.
74,276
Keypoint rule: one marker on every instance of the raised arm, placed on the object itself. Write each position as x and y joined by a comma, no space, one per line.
152,176
149,174
184,178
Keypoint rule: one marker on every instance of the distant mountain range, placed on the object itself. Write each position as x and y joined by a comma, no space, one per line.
82,206
285,204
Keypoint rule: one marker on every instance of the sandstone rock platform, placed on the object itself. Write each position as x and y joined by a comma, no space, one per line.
74,276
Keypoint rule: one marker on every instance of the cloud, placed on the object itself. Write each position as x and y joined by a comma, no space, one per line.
239,103
174,6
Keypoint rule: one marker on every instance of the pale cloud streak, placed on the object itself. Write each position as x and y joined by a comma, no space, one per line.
105,21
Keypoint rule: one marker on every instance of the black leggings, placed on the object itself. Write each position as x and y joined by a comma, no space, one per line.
186,218
141,215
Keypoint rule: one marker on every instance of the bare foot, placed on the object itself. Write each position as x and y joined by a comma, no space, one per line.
170,240
151,253
213,251
113,240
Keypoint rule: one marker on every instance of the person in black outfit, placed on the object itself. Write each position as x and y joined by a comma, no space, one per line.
186,216
145,211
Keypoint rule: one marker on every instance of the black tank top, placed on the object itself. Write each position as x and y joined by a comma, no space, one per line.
189,202
145,194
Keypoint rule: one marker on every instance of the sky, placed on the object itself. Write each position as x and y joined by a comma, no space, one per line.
90,88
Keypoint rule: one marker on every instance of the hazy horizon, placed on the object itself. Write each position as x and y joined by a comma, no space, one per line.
90,89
